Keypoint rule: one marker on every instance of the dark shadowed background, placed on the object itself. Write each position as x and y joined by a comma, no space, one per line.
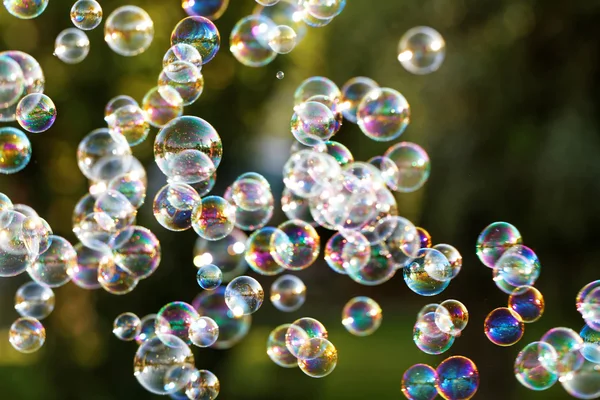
510,122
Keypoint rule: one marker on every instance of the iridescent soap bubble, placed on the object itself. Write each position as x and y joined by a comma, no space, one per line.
52,266
213,218
199,32
503,327
27,335
323,9
156,357
353,92
348,250
301,331
282,39
295,245
117,207
288,293
97,230
312,123
209,277
204,332
26,9
421,50
400,236
129,31
129,121
147,328
251,191
567,344
316,85
494,240
419,382
530,368
13,81
416,273
36,113
132,186
424,237
211,9
451,316
458,378
413,166
453,257
248,41
182,52
117,102
71,46
361,316
36,230
528,302
232,328
277,350
89,261
139,254
160,110
17,250
185,78
34,300
98,149
307,173
337,150
325,361
15,150
518,266
32,76
227,254
591,352
428,337
388,169
383,114
583,383
258,252
204,385
5,203
173,206
244,295
379,269
583,293
177,379
126,326
590,308
175,318
115,280
86,14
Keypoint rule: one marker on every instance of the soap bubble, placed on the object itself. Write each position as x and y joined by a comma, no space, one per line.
251,191
117,207
204,332
453,257
248,41
117,102
424,238
226,253
200,33
458,378
324,361
282,39
26,9
295,245
413,166
85,273
342,251
173,206
139,254
421,50
209,277
323,9
147,328
86,14
129,121
34,300
337,150
115,280
288,293
277,350
280,75
52,266
160,110
15,150
129,31
213,218
316,85
27,335
312,123
5,203
18,251
177,379
175,319
127,326
28,78
378,270
451,316
530,365
132,186
361,316
567,344
494,240
71,46
416,273
353,92
154,358
299,334
97,230
419,382
518,266
528,302
503,327
211,9
36,229
388,169
182,52
258,252
36,113
583,383
383,114
232,328
185,78
590,308
204,385
102,155
307,172
244,295
428,337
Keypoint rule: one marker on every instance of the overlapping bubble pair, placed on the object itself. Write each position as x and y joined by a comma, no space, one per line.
438,325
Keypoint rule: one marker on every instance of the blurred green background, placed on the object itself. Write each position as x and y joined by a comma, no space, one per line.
510,122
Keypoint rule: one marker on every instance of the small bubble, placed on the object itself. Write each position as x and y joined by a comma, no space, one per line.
280,75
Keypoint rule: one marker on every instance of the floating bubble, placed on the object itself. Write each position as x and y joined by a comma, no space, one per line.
86,14
429,338
301,331
583,383
160,110
173,206
154,358
139,254
26,9
583,293
383,115
258,252
204,385
284,12
18,250
413,166
388,169
453,257
232,328
503,327
316,85
200,33
177,379
185,78
458,378
13,81
280,75
451,316
89,261
378,270
424,238
282,39
416,273
567,344
52,267
115,280
251,191
129,31
209,277
15,150
591,352
117,207
227,254
307,172
204,332
324,361
494,240
353,92
530,367
419,382
127,326
312,123
213,218
334,107
421,50
295,245
248,41
97,230
323,9
71,46
182,52
34,300
401,237
277,350
132,186
349,250
147,328
36,113
528,302
337,150
244,295
590,308
129,121
361,316
36,229
5,203
211,9
103,156
175,319
117,102
288,293
27,335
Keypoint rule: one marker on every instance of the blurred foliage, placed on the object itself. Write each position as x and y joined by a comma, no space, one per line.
511,125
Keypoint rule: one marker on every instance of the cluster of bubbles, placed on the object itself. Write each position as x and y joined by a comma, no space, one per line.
455,378
438,325
275,27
